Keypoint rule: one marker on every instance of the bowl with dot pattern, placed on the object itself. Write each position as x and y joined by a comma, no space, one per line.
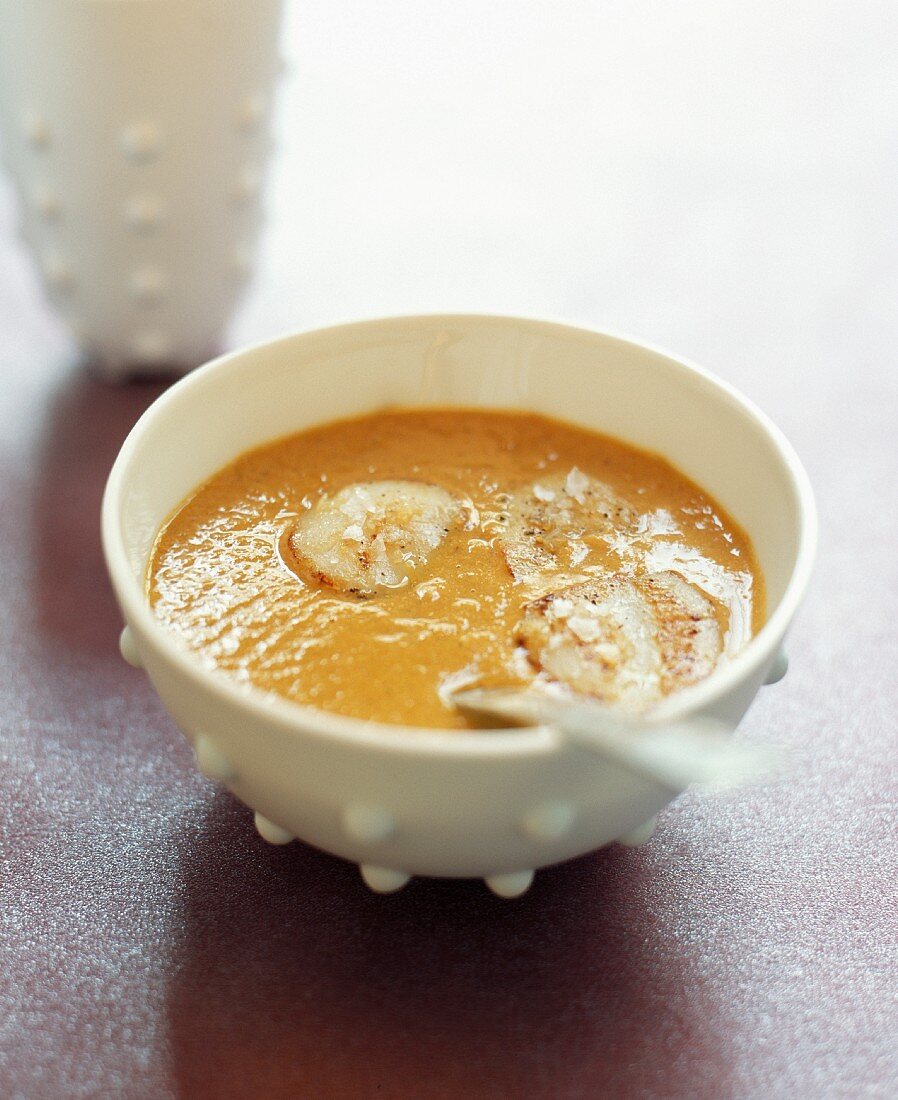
136,135
495,804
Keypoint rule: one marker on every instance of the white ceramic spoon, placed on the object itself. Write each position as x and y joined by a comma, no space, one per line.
675,754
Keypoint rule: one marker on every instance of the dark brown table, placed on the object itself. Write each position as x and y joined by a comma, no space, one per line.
151,945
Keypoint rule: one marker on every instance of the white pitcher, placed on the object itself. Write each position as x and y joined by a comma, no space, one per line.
136,132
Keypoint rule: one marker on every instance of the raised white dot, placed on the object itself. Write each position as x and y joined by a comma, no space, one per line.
511,885
141,141
58,273
36,130
778,669
247,185
548,821
147,285
128,648
383,880
639,835
45,202
151,347
143,212
251,112
211,760
368,823
274,834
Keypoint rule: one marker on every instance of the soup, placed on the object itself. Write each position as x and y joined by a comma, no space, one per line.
372,567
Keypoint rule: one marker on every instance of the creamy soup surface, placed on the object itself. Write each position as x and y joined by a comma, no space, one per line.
372,566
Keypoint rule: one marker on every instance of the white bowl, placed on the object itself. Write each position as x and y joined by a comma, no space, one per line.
401,801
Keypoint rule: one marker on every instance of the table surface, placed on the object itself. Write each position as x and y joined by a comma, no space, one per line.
717,178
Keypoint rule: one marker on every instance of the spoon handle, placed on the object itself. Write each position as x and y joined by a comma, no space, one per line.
675,754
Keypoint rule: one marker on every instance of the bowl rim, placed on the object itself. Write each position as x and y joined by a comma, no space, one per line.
306,720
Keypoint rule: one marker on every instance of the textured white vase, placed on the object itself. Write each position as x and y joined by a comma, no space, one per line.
136,132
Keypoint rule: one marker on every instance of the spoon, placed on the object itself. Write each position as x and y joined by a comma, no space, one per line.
675,754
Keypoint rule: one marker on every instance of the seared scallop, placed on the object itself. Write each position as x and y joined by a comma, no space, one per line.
373,535
552,523
627,640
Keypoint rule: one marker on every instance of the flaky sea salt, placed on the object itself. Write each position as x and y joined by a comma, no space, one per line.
358,503
576,484
579,551
608,653
542,493
586,628
383,568
561,607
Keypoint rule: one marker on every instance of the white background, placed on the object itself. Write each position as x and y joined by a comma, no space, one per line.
718,176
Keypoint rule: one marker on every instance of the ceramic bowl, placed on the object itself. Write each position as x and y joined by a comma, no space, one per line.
400,802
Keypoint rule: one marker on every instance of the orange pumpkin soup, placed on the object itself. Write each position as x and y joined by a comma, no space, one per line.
372,566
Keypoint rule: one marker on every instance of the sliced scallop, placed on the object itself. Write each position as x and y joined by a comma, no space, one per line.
627,640
373,535
549,521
